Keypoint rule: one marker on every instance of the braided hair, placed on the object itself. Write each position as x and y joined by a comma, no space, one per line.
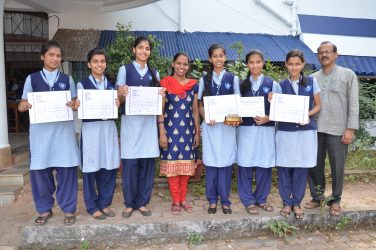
246,85
153,76
209,75
298,53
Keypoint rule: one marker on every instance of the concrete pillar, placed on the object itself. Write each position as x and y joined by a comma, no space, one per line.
5,152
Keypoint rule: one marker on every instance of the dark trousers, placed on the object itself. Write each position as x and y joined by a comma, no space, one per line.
43,187
218,182
98,188
138,181
337,153
263,178
292,183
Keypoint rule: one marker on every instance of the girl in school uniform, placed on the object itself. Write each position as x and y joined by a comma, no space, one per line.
99,146
138,134
296,144
218,139
179,129
256,140
53,145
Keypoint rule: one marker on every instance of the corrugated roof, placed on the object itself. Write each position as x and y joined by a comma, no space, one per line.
361,65
76,43
196,44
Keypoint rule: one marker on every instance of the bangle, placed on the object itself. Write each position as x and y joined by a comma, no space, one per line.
159,122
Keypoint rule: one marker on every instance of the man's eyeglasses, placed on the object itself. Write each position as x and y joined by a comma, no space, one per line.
325,52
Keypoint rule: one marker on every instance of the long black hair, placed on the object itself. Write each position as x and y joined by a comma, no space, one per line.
246,84
298,53
176,56
209,75
146,39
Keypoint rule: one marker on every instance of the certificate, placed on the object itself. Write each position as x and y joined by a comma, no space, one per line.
289,108
218,107
143,101
97,104
49,106
251,106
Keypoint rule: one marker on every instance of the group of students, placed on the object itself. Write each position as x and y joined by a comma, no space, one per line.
172,136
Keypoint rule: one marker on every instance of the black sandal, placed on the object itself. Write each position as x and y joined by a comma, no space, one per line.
298,216
42,220
266,207
69,220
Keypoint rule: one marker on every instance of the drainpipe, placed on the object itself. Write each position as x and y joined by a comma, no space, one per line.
294,7
181,17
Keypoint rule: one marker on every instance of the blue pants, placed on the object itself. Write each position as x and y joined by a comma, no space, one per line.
43,187
292,184
138,181
263,184
99,189
218,182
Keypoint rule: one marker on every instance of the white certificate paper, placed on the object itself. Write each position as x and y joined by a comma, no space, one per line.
289,108
218,107
97,104
143,101
251,106
49,106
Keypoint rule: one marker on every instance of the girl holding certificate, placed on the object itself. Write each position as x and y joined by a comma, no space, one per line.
218,139
296,144
53,145
179,129
139,133
256,140
99,146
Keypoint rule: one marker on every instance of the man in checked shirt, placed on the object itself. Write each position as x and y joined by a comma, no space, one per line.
337,122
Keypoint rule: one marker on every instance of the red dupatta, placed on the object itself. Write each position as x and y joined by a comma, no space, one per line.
173,86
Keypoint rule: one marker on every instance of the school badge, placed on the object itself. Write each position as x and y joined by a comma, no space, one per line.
266,90
227,85
308,88
62,85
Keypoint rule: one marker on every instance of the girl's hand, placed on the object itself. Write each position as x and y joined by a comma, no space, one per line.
24,106
196,140
211,122
270,96
74,104
261,119
124,90
117,102
162,91
163,141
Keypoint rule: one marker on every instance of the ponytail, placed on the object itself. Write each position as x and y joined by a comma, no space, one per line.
153,76
246,85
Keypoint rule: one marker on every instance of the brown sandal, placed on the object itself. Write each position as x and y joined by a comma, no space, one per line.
335,209
175,209
312,205
285,212
266,207
251,209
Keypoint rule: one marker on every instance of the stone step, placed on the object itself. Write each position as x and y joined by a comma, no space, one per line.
9,193
16,175
20,154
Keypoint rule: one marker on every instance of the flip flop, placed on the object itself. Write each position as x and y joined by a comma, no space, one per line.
69,220
175,209
42,220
